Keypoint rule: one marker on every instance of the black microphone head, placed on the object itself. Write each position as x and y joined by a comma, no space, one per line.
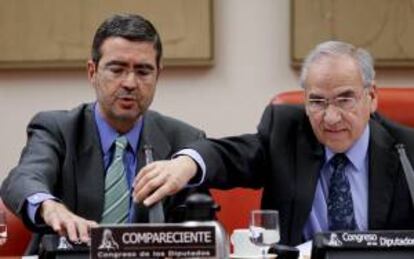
200,207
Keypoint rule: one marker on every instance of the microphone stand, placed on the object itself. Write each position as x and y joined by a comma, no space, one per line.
156,212
407,168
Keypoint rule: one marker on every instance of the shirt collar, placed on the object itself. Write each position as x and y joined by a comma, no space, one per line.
358,151
107,134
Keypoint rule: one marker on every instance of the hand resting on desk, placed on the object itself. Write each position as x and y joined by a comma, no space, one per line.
66,223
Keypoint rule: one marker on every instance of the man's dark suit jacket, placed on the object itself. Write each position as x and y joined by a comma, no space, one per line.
284,157
63,157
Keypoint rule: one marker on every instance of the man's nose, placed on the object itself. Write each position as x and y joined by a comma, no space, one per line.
130,80
332,114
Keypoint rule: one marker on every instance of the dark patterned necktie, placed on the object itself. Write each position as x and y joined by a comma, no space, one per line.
116,203
340,206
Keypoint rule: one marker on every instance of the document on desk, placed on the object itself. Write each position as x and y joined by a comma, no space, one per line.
305,250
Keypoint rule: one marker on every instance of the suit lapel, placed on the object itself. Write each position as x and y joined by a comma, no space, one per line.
383,161
309,157
154,137
89,169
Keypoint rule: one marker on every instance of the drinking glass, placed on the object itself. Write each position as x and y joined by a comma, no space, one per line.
3,228
264,229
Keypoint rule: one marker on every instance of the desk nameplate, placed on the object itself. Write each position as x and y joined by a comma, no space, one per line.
153,241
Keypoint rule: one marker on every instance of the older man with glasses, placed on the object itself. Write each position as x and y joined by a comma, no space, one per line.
330,165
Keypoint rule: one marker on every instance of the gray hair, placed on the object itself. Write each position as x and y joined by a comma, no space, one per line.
338,48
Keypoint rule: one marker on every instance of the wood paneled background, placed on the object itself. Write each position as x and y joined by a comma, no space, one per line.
384,27
58,33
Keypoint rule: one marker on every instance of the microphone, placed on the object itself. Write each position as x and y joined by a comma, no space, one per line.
407,168
156,211
200,207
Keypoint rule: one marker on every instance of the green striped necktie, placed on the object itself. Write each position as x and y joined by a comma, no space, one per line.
116,203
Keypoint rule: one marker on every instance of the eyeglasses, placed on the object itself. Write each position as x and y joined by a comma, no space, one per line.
117,73
344,103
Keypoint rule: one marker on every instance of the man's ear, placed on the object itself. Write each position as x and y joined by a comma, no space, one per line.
92,70
373,95
160,68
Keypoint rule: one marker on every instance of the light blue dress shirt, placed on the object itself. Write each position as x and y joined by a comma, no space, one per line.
357,173
107,136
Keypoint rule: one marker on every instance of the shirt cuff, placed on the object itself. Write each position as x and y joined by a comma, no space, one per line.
33,204
198,179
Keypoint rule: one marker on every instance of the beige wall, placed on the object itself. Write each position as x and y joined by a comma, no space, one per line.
252,64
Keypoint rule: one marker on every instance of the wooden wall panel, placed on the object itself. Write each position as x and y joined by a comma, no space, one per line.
384,27
58,33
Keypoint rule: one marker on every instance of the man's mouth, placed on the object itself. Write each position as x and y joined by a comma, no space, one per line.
334,132
127,101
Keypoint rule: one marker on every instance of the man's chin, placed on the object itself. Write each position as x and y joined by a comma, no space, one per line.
127,115
337,147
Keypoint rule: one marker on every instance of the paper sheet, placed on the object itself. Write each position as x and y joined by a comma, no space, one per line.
305,250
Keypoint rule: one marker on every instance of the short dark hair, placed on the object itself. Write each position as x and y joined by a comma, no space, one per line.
129,26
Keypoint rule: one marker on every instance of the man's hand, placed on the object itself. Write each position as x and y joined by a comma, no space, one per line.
65,223
163,178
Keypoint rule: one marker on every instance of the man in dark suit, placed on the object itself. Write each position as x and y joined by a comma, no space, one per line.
331,164
61,176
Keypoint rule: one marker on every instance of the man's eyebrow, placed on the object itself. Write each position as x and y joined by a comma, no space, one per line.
126,64
144,66
347,93
116,63
315,96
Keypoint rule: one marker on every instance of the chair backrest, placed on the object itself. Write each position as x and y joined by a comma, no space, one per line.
235,206
18,236
394,103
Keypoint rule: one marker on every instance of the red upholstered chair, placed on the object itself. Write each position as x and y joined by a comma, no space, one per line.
235,206
18,236
394,103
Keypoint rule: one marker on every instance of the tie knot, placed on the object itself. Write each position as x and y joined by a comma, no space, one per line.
339,161
120,145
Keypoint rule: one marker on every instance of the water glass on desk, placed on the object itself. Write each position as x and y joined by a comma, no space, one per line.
3,228
264,229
